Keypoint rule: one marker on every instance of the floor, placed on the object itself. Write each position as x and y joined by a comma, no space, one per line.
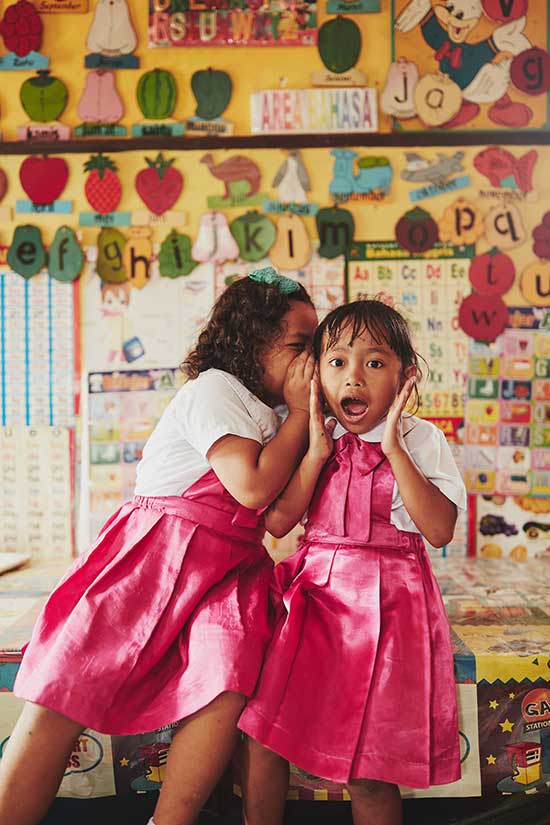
136,810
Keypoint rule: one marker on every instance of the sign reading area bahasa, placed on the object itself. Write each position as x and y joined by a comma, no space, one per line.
277,111
227,23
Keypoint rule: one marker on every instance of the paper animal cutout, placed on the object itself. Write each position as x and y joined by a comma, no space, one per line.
214,241
397,98
292,180
504,170
240,176
175,256
159,186
65,257
43,178
27,255
102,188
480,69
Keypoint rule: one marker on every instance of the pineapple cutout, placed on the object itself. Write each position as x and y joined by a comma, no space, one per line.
103,191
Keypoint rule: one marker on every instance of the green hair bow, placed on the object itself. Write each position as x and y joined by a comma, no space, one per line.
270,276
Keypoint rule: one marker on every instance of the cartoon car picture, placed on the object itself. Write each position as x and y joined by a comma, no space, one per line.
535,529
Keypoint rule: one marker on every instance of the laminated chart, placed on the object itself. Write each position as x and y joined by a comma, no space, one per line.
37,351
36,490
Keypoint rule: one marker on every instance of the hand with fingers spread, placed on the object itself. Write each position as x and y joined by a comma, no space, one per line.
320,432
392,440
296,389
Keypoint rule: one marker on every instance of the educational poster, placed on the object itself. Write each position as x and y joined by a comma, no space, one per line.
514,527
508,416
472,64
140,761
514,734
38,336
129,328
428,290
36,486
453,428
123,409
273,23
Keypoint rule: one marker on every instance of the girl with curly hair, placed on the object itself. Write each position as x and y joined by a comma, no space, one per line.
165,618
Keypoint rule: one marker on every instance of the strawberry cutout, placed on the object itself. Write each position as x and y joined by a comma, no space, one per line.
102,188
43,178
159,186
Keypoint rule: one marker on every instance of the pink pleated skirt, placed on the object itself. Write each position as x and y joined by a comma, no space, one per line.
168,609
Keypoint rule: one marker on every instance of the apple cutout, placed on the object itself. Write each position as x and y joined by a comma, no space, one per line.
43,178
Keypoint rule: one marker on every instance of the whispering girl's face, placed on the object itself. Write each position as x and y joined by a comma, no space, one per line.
360,379
297,328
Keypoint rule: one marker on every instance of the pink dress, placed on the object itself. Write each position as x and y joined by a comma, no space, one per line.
358,680
168,609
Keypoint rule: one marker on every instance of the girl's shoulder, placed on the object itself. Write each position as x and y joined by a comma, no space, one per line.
220,384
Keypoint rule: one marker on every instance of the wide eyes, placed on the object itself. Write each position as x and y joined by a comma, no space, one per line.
374,363
336,362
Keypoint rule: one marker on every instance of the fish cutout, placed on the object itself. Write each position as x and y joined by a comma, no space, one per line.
504,170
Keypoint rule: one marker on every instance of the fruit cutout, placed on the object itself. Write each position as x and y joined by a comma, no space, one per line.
159,186
417,231
541,237
65,257
3,184
157,94
111,33
292,247
137,255
335,228
21,28
100,101
110,249
255,235
102,188
339,44
212,89
29,239
214,241
175,256
43,178
43,97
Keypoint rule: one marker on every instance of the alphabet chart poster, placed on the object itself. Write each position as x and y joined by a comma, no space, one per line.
429,291
37,350
123,408
36,490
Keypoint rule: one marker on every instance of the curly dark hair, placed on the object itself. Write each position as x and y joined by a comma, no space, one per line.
382,322
244,322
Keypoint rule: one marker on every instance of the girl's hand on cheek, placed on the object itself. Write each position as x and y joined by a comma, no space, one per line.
392,440
297,382
320,434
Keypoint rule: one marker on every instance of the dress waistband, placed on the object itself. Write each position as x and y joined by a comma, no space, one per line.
242,524
381,535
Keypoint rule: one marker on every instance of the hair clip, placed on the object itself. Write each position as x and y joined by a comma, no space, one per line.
270,276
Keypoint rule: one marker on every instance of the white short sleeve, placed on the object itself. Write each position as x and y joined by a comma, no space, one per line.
216,404
431,453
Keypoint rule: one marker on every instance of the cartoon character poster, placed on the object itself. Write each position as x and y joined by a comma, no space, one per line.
466,64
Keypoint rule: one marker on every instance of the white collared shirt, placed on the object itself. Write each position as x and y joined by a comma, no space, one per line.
428,448
203,411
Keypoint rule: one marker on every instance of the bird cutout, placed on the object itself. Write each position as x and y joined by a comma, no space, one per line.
292,180
111,37
241,179
214,241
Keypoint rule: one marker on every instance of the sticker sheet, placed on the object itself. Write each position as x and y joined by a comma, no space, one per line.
38,331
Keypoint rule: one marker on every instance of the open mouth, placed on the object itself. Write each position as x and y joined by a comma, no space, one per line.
354,408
